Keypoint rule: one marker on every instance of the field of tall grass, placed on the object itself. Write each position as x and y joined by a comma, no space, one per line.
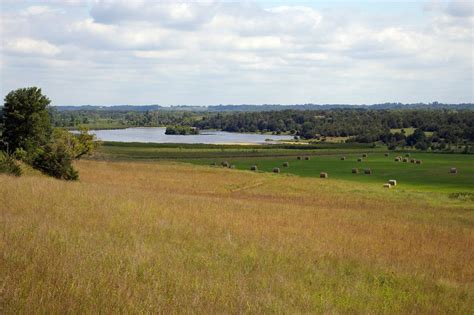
166,237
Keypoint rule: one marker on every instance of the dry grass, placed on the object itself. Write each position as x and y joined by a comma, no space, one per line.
137,237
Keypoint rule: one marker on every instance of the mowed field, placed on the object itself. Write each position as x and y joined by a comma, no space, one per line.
169,237
432,175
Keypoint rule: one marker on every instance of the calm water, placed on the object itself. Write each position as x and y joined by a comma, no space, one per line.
157,135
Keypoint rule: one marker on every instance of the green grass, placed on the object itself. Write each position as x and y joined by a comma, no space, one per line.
158,151
432,175
409,131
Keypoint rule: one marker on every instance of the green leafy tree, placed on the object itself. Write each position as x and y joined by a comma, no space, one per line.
56,158
27,131
26,123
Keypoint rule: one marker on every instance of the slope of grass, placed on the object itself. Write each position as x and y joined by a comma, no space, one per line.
164,237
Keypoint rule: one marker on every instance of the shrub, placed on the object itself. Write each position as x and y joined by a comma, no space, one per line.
9,165
55,160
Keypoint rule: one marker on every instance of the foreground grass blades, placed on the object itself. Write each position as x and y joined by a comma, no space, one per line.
151,237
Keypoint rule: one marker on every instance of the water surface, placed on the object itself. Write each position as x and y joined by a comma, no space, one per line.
157,135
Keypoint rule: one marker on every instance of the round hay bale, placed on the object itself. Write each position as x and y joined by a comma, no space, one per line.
392,182
364,155
405,160
343,158
232,166
225,164
323,175
355,170
359,160
276,170
386,154
286,164
254,168
412,161
387,186
397,159
368,171
298,157
419,162
307,158
453,170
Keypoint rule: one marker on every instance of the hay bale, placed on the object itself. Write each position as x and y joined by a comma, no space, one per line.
254,168
355,170
232,166
405,160
387,186
359,160
286,164
397,159
368,171
298,157
323,175
276,170
412,161
386,154
343,158
419,162
392,182
307,158
453,170
364,155
225,164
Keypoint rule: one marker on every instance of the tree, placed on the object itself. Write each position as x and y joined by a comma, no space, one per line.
55,159
418,136
26,123
28,133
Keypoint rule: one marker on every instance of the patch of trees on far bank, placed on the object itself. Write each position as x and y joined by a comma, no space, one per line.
181,130
363,126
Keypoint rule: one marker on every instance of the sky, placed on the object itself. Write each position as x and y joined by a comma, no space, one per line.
247,52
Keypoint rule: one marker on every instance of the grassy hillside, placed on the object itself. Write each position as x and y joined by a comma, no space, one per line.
164,237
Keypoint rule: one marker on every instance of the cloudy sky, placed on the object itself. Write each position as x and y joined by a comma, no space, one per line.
253,52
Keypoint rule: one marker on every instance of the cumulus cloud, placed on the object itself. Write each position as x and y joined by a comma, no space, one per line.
225,52
31,47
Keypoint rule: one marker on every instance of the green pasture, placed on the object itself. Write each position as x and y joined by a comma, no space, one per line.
433,174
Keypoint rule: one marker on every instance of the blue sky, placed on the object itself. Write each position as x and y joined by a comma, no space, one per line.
253,52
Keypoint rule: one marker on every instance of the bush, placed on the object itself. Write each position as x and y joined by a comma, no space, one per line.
55,160
9,165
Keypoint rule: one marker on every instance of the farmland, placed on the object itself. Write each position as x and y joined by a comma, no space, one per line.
432,175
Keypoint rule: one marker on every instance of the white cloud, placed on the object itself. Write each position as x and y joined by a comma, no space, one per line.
149,51
32,47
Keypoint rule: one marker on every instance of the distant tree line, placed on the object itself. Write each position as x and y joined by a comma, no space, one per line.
74,119
435,129
364,126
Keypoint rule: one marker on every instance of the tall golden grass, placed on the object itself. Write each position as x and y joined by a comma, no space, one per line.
163,237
